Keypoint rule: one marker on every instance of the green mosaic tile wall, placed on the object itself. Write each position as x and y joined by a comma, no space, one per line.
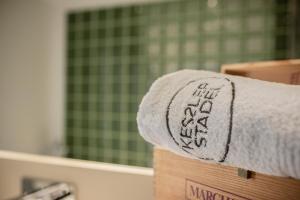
114,54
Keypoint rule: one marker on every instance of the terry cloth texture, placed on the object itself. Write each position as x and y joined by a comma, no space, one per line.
225,119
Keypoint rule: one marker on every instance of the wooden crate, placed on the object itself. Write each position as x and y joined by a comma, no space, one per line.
286,71
179,178
176,177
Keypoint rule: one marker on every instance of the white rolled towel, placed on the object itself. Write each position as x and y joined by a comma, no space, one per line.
225,119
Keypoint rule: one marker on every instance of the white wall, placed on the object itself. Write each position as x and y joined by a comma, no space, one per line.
31,76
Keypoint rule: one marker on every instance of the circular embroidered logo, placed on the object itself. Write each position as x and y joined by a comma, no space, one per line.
199,117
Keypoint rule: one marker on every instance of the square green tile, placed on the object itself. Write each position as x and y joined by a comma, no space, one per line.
114,54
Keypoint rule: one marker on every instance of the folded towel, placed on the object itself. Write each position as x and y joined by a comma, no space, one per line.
225,119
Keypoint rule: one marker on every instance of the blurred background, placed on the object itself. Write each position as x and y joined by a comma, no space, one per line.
72,73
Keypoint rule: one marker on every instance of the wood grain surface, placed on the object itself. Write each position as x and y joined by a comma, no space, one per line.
284,71
176,177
